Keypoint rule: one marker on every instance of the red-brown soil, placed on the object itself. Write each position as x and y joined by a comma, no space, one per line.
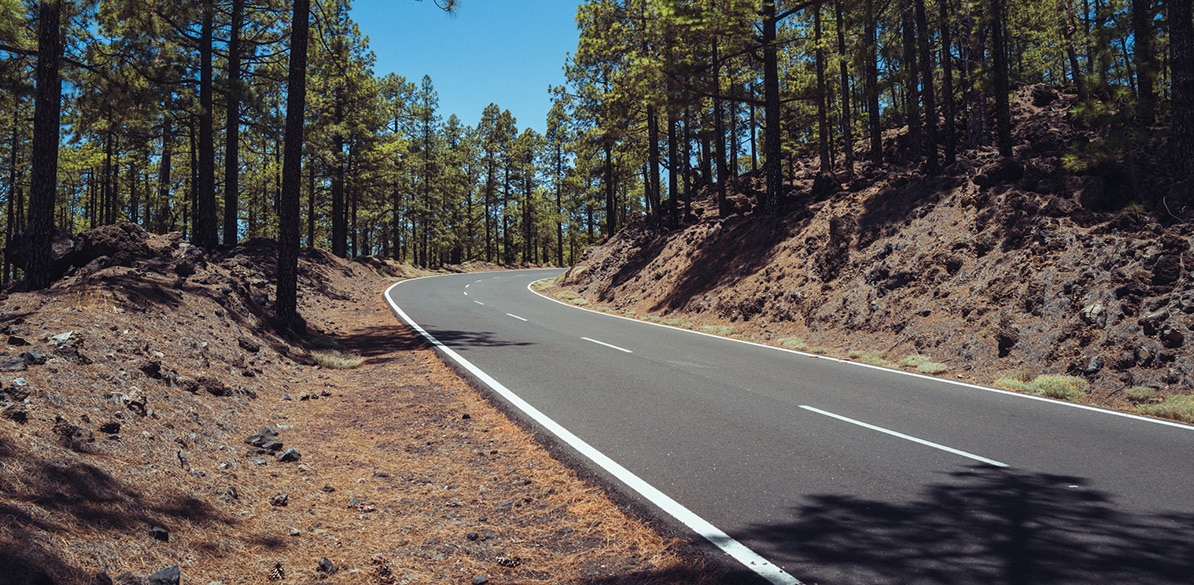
997,268
124,453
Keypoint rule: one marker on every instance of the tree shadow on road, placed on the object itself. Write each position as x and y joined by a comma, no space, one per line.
989,526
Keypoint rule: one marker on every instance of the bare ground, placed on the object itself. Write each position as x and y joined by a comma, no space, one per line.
124,452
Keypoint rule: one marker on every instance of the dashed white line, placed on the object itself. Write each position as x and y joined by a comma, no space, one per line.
515,316
607,345
479,303
906,437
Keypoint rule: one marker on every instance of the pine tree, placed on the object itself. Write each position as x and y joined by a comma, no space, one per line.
46,115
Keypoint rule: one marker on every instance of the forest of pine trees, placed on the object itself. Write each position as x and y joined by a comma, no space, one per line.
172,113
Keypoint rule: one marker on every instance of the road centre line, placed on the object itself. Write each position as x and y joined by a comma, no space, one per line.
906,437
515,316
726,543
607,345
479,303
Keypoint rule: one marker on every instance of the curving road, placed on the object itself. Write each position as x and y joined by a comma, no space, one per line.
814,470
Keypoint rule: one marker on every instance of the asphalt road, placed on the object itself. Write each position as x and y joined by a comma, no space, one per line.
830,472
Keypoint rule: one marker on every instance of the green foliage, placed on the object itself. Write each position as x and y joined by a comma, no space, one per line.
794,343
1177,407
1070,388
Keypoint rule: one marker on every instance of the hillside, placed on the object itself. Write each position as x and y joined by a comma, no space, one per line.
153,424
999,269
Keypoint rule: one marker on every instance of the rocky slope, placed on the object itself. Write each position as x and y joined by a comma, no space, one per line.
155,429
998,269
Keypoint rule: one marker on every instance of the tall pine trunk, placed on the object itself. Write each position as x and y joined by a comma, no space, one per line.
823,138
206,231
871,82
932,163
1181,47
286,303
847,120
339,216
43,185
611,201
653,187
1069,25
165,165
1000,83
719,129
772,139
232,133
948,113
911,81
1146,66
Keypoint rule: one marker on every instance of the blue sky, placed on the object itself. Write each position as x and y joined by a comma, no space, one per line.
503,51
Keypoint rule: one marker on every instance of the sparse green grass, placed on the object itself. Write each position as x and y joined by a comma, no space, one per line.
793,343
337,360
1070,388
1178,407
722,330
923,364
874,358
1140,394
630,313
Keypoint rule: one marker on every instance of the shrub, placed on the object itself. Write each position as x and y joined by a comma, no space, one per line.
871,357
794,343
1178,407
923,364
1070,388
337,360
1139,394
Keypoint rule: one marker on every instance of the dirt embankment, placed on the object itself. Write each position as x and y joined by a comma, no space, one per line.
153,424
998,269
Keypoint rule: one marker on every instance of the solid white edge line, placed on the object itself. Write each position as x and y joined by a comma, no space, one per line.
948,381
609,345
906,437
738,551
515,316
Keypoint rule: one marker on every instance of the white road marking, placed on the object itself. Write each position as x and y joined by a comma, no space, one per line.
515,316
607,345
906,437
466,293
738,551
848,363
479,303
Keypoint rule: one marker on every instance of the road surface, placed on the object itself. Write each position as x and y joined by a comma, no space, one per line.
812,470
